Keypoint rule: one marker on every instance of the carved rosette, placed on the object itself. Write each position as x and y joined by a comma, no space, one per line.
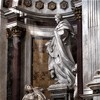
52,5
16,31
39,4
78,13
64,5
28,3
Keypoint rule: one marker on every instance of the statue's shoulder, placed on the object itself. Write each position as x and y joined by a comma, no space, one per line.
62,25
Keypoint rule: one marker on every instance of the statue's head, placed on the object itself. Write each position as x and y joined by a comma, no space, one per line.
28,88
58,18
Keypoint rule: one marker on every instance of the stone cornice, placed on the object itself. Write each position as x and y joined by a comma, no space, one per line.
33,13
42,15
24,13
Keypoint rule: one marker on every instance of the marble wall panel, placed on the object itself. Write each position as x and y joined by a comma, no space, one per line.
41,75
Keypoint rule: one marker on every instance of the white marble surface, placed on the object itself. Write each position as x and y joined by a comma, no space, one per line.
91,38
96,98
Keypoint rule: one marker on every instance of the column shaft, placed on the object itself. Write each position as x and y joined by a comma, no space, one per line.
15,34
16,68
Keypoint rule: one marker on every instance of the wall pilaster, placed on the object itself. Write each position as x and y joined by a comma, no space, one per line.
91,39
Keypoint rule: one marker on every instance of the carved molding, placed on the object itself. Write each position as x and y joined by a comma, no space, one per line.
52,5
39,4
16,31
64,5
28,3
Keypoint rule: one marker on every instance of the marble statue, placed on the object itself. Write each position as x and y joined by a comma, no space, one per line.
75,85
61,62
33,93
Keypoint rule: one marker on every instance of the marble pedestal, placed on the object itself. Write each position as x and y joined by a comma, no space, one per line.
94,85
60,93
96,98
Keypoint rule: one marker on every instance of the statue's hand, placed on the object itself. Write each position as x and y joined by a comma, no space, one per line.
52,73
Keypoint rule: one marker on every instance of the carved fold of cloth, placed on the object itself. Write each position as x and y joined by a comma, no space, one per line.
60,57
35,95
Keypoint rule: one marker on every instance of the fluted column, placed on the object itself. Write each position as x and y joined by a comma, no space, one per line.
16,33
91,39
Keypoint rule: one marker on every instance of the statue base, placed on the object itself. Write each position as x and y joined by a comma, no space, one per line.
60,92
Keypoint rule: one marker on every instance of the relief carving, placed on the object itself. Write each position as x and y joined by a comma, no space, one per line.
64,5
52,5
39,5
28,3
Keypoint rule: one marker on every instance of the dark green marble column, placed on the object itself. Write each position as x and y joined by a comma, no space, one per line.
15,35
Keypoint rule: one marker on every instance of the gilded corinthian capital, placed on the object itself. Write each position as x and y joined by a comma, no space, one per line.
16,31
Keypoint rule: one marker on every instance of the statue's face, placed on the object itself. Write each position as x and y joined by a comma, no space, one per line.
57,19
28,88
